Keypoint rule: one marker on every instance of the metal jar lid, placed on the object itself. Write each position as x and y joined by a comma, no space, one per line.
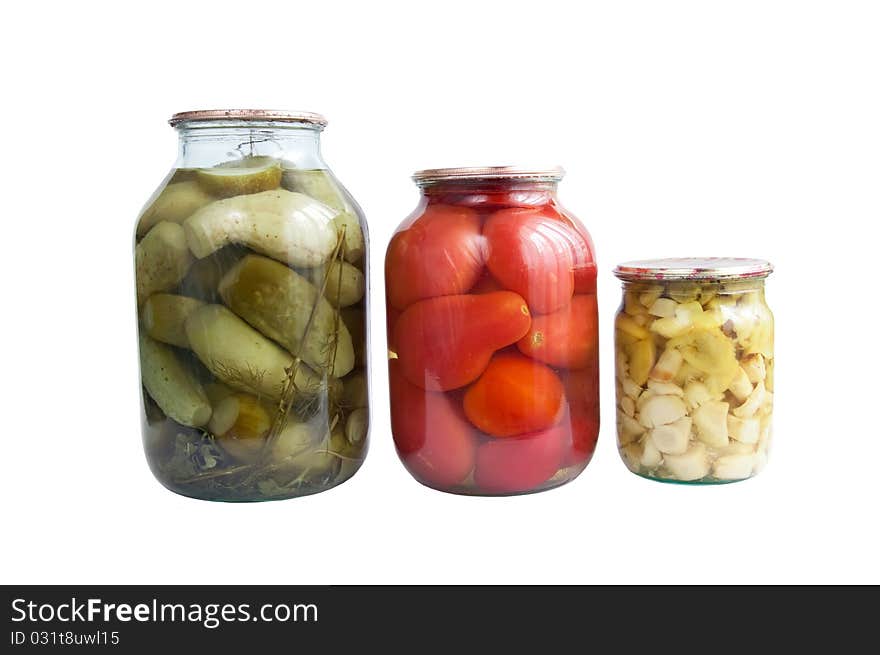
694,268
476,173
257,115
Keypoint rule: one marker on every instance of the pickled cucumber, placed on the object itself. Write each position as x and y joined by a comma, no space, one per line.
163,316
204,275
345,284
240,423
176,202
354,393
286,308
315,457
242,357
289,227
173,387
250,175
356,322
357,425
161,260
323,187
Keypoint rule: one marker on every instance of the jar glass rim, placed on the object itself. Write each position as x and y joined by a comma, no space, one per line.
478,173
248,115
693,268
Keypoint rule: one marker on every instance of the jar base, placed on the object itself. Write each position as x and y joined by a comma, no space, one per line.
702,482
191,491
475,492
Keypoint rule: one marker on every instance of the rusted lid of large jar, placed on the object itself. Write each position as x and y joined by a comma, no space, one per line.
694,268
463,173
261,115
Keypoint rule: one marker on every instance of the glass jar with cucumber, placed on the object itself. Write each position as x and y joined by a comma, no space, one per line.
251,280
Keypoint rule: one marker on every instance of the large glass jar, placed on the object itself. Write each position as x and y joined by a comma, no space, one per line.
251,275
694,369
492,334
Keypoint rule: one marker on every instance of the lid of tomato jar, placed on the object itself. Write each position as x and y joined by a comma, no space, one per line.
256,115
431,175
694,268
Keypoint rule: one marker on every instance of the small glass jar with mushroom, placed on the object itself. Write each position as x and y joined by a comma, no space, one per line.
694,369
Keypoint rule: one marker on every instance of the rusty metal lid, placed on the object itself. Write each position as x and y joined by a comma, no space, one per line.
256,115
694,268
465,173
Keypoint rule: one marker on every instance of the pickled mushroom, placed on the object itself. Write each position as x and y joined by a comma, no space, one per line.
673,438
286,307
710,420
692,465
242,357
733,467
651,457
290,227
173,387
161,260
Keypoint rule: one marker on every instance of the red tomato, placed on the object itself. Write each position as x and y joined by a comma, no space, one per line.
582,254
584,435
433,438
486,284
567,338
519,463
440,254
513,396
531,254
582,251
391,316
582,388
585,279
445,343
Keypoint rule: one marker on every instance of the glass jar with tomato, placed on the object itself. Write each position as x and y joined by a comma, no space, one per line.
694,369
492,333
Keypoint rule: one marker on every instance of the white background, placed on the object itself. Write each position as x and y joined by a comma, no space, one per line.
687,128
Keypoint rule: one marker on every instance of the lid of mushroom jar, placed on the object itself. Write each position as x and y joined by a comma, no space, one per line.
694,268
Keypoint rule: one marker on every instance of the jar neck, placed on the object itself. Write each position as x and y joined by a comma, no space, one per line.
478,186
716,287
489,192
204,144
